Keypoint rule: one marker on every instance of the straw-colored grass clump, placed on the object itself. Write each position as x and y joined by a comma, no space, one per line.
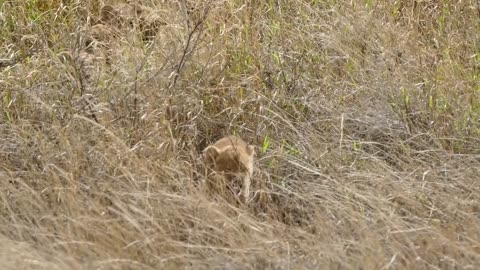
364,116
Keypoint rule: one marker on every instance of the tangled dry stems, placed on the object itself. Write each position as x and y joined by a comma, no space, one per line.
367,114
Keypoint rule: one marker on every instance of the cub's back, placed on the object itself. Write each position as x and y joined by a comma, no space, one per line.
225,142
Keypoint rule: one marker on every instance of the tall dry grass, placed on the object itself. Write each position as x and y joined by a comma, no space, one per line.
365,114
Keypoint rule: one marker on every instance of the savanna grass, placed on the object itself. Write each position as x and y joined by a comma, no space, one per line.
365,115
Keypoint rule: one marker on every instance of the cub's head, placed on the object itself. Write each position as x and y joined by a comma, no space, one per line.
124,15
232,158
108,13
120,14
150,26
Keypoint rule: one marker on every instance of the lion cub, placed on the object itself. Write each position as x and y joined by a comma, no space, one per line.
120,15
232,156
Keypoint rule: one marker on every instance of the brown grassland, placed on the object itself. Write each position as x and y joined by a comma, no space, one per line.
365,115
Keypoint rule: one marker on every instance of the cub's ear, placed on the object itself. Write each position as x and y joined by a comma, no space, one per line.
211,152
107,13
138,9
250,150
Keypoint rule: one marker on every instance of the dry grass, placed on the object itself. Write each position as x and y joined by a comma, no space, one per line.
366,115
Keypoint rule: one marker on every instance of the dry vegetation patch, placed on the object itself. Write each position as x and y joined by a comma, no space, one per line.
365,115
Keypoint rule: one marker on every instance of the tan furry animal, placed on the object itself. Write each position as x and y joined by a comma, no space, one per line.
119,14
114,20
232,156
98,39
131,14
102,33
